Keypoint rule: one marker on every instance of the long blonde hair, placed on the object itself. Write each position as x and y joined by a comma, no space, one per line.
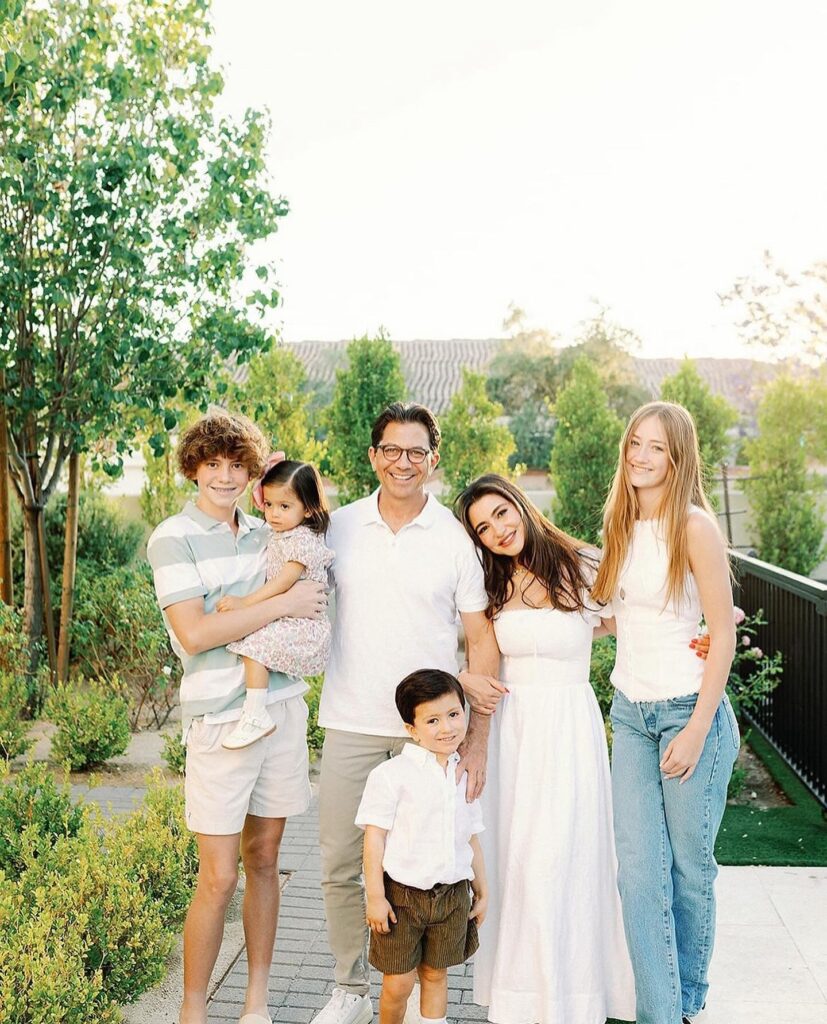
684,488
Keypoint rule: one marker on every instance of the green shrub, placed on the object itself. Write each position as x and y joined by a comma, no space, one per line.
16,659
603,660
92,722
119,630
81,888
315,733
174,752
14,647
34,813
43,979
754,674
87,917
158,851
13,701
106,538
737,781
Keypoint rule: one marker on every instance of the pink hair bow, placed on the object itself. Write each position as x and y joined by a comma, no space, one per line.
258,490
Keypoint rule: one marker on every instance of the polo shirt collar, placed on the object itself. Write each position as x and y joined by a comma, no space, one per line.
245,522
419,755
426,518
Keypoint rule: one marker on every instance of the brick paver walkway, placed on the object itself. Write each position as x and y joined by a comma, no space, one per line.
302,972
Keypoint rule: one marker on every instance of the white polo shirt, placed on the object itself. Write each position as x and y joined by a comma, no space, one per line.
428,819
398,597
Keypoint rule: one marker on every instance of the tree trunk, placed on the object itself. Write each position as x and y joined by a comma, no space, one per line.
70,551
32,591
6,591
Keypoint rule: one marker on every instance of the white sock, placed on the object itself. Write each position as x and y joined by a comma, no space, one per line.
433,1020
255,701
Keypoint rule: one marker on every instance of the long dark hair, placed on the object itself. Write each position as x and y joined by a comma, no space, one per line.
554,558
306,483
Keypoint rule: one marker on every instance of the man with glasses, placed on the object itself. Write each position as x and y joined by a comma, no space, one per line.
405,570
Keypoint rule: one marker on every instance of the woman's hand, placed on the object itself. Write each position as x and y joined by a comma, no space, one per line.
379,914
700,645
228,603
483,692
683,753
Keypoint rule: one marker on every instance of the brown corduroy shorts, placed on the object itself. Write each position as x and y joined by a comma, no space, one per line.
432,928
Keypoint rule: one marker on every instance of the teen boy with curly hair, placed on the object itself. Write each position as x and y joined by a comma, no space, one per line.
236,800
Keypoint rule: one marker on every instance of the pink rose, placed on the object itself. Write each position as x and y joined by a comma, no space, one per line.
740,615
745,640
757,653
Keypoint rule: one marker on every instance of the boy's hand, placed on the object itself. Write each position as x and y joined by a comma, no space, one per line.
379,915
479,908
229,604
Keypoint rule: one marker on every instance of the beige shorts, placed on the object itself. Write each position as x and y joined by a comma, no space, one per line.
268,779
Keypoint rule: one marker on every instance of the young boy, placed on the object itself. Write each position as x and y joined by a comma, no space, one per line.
236,800
422,851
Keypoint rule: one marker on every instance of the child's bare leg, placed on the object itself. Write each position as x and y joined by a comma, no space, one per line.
433,992
394,998
256,675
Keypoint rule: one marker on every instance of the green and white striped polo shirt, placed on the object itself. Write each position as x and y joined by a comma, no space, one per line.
194,555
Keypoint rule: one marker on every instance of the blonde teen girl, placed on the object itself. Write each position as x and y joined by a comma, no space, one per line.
675,736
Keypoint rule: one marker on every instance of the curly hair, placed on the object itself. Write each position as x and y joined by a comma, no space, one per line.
225,434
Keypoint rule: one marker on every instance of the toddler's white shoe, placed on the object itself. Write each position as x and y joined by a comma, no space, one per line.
249,729
345,1008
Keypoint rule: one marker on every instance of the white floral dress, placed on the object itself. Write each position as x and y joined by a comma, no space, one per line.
297,647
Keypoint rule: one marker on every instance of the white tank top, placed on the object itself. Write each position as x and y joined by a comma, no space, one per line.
654,660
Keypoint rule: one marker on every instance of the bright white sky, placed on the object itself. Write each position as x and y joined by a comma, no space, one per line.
443,158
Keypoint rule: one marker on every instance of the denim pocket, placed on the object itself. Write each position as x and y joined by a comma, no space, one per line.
733,722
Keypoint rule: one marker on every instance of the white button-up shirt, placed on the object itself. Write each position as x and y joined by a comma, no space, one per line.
428,820
398,596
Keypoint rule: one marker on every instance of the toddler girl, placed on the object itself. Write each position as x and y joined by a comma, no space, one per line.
292,498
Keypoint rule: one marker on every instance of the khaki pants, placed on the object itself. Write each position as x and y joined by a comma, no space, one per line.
347,760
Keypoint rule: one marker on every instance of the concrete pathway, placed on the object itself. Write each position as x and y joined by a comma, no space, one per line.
770,964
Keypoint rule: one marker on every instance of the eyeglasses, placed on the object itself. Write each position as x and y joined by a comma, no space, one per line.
392,453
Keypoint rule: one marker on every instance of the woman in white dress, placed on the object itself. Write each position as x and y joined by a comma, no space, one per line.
552,950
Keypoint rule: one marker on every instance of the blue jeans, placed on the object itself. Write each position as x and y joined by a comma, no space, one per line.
665,834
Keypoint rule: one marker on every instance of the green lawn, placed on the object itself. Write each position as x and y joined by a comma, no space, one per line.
782,836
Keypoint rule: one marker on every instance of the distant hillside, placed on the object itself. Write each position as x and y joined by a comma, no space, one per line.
433,369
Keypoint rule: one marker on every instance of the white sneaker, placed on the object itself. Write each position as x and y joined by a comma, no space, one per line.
249,729
345,1008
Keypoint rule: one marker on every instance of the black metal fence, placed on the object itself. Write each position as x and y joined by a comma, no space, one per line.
794,717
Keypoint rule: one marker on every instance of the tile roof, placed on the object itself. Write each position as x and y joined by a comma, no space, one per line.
433,369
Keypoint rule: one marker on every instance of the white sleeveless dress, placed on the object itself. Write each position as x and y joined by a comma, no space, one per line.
552,949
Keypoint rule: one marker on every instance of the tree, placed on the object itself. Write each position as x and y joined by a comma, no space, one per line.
713,414
127,210
372,380
784,313
792,427
524,377
528,372
275,394
475,441
606,345
585,453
